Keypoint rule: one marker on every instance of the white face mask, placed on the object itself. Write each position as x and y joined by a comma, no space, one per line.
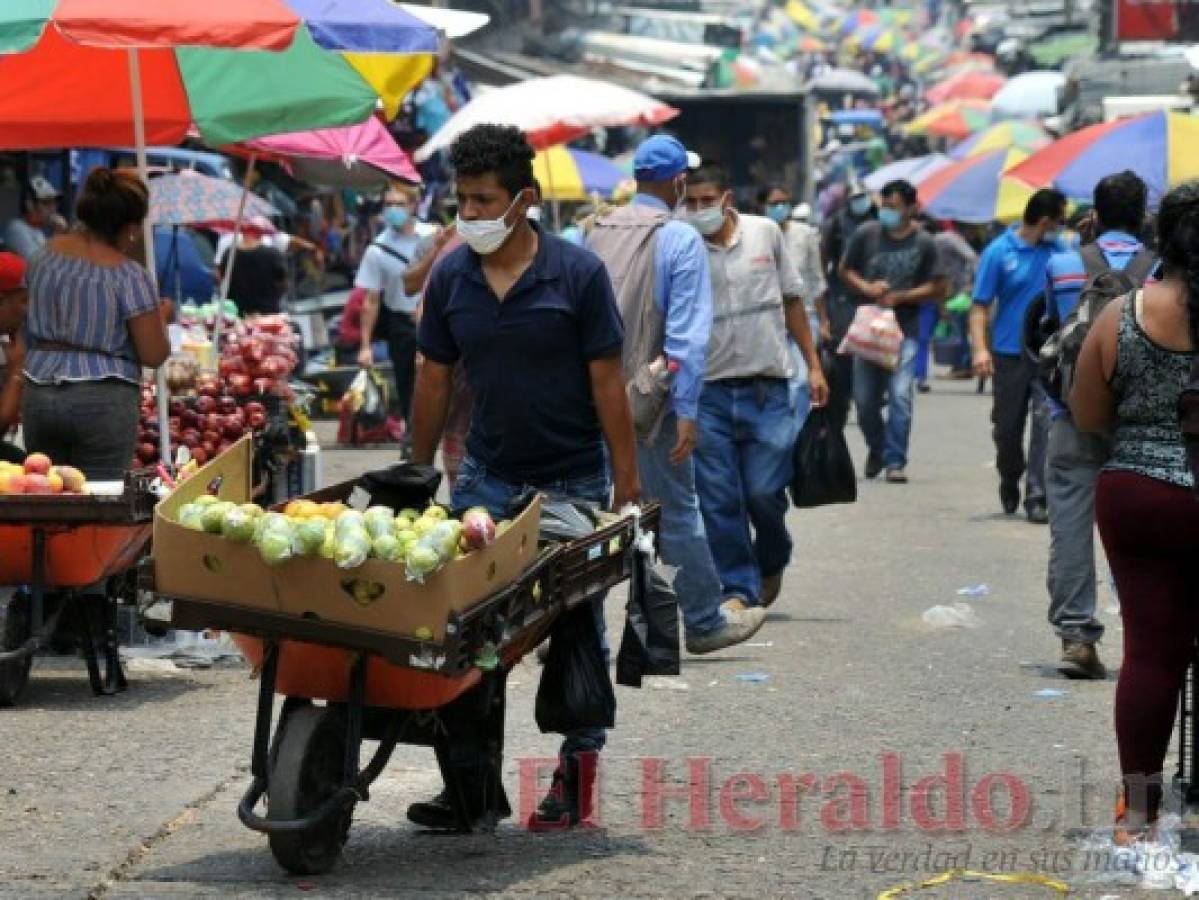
707,221
485,236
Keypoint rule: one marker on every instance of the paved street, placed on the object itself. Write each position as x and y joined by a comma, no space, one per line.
135,796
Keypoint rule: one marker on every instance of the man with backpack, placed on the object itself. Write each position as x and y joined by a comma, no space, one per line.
1080,284
1011,276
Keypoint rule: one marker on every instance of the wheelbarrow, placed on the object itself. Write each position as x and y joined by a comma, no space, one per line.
343,684
53,546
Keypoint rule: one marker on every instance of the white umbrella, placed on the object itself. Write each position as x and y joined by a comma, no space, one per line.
552,111
1029,95
453,23
843,81
914,170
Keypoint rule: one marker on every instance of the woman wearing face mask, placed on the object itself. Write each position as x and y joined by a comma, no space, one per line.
93,322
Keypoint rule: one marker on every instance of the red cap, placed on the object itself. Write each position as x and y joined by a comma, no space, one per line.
12,272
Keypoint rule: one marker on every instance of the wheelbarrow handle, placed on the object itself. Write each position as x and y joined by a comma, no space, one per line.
334,806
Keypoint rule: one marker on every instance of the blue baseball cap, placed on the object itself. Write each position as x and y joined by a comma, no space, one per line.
662,157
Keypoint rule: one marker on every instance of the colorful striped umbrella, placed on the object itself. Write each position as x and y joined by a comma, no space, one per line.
233,69
915,170
190,198
968,85
1023,135
958,119
1159,146
974,190
859,18
574,175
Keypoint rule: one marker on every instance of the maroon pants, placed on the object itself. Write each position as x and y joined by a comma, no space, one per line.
1150,531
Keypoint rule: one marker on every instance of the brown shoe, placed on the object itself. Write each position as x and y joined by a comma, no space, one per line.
772,586
1080,660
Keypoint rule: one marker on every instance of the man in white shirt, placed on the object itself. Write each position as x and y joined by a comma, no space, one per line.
26,235
389,308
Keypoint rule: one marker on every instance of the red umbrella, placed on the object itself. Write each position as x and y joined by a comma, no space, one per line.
971,85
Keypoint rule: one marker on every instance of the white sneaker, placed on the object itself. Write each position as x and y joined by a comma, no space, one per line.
739,625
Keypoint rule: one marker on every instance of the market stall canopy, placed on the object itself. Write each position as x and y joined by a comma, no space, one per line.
1027,136
357,156
190,198
958,119
1029,95
552,111
1157,146
574,175
969,85
453,23
916,170
975,190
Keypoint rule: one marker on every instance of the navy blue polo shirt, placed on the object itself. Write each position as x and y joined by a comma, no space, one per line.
526,357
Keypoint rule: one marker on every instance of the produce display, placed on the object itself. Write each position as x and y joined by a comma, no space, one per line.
422,541
39,475
208,411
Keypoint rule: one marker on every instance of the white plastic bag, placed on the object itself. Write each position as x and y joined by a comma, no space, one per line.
874,336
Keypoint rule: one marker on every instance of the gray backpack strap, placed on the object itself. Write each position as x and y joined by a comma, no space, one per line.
1140,266
1093,261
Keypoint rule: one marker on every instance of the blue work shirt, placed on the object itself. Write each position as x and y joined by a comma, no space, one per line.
1066,276
1011,274
683,295
526,357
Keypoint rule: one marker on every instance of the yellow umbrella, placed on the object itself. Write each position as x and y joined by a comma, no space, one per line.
802,16
393,77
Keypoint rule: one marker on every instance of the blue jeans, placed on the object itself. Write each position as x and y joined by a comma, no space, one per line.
478,487
872,385
928,324
747,434
682,542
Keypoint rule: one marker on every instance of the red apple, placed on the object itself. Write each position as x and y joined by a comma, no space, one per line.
209,448
225,404
205,404
37,483
239,384
199,455
147,453
191,437
263,385
37,464
256,420
232,430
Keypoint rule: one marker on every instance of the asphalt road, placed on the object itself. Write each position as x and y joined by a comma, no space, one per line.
809,749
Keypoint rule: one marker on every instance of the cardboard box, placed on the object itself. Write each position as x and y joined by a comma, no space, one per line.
376,596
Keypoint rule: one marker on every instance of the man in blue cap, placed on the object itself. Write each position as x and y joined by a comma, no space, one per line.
659,271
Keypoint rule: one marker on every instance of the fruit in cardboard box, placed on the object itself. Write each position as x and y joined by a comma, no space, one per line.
37,464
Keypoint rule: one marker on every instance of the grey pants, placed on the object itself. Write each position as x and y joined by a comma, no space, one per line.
1074,460
1018,398
91,425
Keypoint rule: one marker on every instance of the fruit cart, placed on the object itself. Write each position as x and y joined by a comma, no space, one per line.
346,683
55,545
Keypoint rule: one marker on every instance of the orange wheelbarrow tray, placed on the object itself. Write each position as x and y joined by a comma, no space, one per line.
386,687
64,542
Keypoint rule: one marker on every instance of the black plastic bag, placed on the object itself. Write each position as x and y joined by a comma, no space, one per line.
402,485
576,689
650,645
824,470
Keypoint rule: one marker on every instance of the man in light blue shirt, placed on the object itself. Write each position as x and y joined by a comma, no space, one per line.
1011,275
659,270
1075,457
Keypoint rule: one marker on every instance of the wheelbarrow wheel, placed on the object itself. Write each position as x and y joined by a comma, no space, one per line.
307,770
15,630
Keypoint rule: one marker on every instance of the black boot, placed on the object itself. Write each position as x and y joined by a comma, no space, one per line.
571,798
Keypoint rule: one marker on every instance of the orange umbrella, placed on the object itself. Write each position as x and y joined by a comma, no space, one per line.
970,85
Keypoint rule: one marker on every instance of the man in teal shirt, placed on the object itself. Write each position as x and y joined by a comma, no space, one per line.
1011,274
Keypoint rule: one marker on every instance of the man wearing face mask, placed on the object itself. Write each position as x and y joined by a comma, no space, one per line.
533,320
839,304
748,422
891,263
1011,274
659,269
389,307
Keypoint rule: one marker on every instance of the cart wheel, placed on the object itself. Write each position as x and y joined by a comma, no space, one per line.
15,630
306,770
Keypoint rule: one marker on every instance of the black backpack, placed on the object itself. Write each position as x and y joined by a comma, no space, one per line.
1058,354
